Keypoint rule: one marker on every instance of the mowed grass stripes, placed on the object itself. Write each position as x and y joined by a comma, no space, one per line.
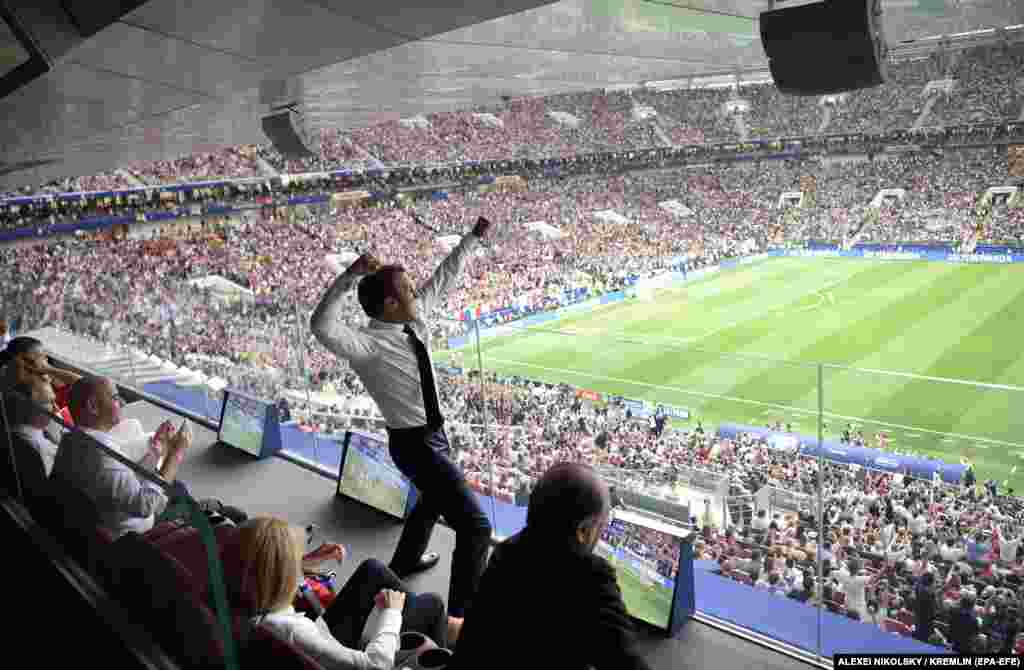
744,346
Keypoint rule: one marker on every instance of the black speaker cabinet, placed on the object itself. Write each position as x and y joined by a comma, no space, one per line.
828,47
285,130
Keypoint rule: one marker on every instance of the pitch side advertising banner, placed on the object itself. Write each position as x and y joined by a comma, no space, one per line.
904,254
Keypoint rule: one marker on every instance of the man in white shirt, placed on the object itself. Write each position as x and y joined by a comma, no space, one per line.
854,585
918,524
391,357
27,412
1008,545
125,501
950,552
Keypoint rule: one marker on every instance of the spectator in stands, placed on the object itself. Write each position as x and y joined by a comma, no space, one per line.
27,407
963,625
761,522
392,359
854,584
806,590
373,605
585,624
925,607
125,501
950,552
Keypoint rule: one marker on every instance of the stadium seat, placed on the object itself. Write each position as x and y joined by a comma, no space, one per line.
261,648
157,588
186,545
231,560
31,472
72,516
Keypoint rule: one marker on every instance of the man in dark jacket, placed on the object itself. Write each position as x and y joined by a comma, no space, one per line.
925,607
545,599
963,626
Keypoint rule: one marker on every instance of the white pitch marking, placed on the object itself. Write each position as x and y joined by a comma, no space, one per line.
785,408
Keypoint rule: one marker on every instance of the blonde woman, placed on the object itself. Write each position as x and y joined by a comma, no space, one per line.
361,628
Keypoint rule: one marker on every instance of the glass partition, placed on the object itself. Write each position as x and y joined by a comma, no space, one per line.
725,443
935,470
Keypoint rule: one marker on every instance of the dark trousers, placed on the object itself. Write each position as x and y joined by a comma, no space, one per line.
423,456
347,615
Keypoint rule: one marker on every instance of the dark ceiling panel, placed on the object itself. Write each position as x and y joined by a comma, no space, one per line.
417,20
91,16
284,36
77,82
156,58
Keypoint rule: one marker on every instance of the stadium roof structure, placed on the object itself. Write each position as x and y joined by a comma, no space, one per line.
87,87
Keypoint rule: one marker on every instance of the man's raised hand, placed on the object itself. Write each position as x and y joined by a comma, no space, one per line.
364,265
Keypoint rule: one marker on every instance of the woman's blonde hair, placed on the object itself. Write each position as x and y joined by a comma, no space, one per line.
271,551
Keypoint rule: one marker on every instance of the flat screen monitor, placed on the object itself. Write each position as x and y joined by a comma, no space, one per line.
647,555
242,422
370,476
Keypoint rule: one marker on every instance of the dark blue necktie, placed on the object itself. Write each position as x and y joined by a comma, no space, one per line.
430,402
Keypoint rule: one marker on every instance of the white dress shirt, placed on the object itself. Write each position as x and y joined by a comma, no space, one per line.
1008,549
315,639
382,354
47,450
125,501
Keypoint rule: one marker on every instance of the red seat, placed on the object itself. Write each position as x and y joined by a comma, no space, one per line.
186,545
839,597
906,616
263,649
164,528
158,589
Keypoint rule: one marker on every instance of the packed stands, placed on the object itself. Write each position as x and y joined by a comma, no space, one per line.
226,163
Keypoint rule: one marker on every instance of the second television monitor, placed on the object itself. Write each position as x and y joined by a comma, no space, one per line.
370,476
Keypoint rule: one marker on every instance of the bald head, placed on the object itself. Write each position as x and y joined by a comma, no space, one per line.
567,498
94,403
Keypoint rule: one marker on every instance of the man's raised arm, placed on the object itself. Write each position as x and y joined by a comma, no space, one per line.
326,324
441,281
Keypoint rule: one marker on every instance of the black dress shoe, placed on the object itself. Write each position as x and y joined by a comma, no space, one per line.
427,561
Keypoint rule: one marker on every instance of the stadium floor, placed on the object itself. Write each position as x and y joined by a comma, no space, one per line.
280,488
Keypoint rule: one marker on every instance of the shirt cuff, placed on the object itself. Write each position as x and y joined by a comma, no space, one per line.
390,621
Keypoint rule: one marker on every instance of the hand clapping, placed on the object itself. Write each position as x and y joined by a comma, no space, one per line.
388,599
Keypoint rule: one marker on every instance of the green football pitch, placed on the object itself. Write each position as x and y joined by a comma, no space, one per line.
929,353
651,603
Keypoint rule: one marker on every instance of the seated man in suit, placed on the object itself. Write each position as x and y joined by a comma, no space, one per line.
545,598
27,406
125,500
